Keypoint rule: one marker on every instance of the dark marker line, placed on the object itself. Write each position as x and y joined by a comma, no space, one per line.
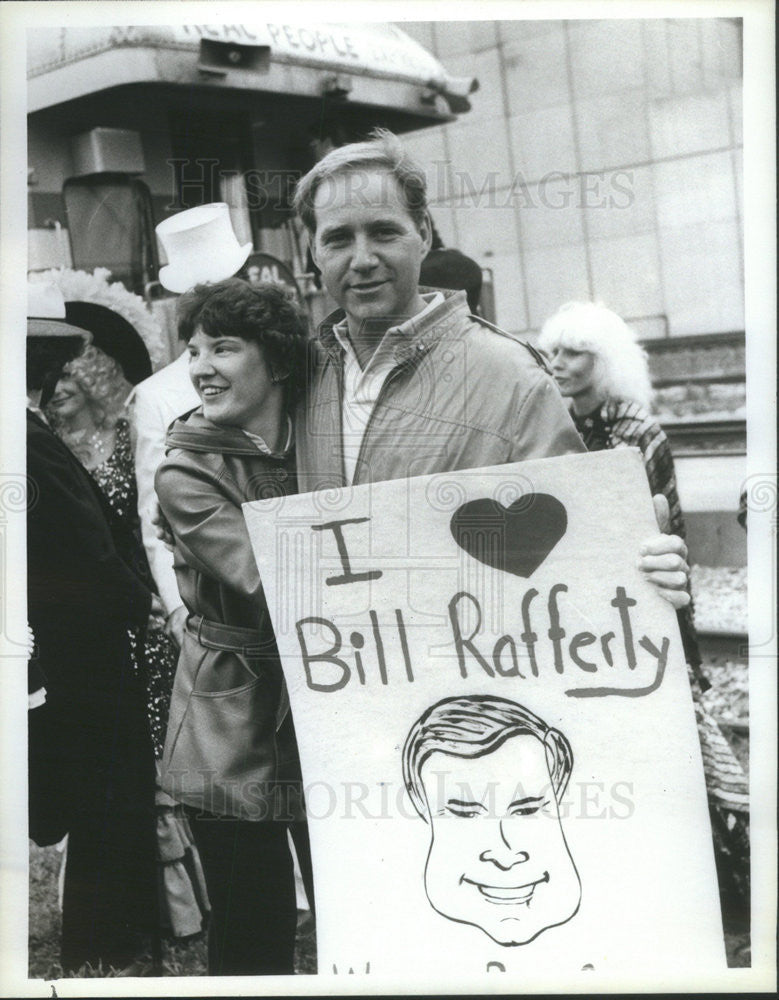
523,802
602,692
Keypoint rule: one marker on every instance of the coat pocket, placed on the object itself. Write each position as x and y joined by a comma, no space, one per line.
220,752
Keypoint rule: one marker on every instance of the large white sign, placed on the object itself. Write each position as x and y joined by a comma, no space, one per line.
499,749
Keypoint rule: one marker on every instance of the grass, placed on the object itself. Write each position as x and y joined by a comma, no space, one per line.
179,958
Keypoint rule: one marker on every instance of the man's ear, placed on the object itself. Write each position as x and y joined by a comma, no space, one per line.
426,232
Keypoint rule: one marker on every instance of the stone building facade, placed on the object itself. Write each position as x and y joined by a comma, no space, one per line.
602,159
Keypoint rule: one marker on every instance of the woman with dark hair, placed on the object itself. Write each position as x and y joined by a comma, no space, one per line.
230,753
444,267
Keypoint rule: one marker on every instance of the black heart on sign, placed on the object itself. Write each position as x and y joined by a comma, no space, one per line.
515,539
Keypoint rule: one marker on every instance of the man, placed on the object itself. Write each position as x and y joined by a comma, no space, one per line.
91,767
408,382
155,404
488,775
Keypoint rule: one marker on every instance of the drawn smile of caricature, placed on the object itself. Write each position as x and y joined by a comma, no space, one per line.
510,895
490,774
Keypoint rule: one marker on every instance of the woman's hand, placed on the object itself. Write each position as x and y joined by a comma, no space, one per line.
162,528
663,560
156,612
175,623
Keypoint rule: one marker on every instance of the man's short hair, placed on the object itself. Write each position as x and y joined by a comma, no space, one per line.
382,151
473,726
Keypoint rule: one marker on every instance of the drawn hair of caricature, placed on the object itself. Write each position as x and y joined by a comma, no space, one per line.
488,776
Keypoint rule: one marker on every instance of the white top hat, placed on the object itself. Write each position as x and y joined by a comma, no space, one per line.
200,246
46,312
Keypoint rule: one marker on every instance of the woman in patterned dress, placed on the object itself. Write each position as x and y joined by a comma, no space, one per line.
598,365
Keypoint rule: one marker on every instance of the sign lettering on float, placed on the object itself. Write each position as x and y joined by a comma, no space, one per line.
496,730
262,267
371,46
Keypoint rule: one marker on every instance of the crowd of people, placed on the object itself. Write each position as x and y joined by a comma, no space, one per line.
152,668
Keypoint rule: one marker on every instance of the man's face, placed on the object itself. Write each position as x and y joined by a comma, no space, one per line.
368,247
498,857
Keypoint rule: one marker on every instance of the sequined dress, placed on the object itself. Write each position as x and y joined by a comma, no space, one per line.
155,655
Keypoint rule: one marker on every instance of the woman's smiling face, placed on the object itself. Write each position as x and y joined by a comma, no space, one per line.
69,398
232,379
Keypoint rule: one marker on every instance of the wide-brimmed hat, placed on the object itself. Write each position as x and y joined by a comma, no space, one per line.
200,246
51,341
114,335
46,313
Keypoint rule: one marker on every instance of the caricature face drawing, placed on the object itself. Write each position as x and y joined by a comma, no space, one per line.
498,857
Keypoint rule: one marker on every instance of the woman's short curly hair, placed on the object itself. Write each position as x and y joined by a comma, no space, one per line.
265,314
621,367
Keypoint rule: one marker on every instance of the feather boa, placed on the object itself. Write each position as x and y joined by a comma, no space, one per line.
83,286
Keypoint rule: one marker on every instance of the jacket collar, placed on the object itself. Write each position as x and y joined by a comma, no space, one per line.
420,337
193,432
37,414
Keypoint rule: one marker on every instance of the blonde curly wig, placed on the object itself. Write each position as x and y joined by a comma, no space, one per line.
621,369
102,381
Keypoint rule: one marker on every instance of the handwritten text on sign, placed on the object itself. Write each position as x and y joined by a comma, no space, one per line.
344,658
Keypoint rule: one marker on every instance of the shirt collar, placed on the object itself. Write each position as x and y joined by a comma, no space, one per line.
262,445
404,331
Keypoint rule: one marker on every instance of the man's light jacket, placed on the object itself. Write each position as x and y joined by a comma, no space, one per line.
463,395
